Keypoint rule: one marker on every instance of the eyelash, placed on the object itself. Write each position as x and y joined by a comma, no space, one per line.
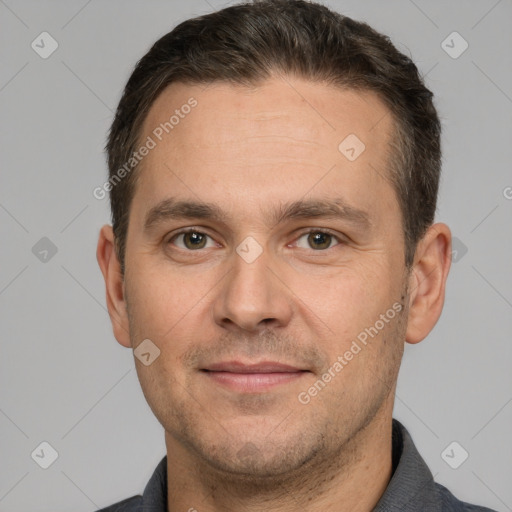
307,232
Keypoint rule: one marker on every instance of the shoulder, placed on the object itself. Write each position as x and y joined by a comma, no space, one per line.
154,496
412,486
128,505
449,503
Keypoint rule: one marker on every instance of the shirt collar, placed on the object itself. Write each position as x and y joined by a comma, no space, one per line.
154,498
411,484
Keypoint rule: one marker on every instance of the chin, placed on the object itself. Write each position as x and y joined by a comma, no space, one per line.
259,460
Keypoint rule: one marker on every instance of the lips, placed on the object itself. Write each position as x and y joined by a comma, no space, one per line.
262,367
252,378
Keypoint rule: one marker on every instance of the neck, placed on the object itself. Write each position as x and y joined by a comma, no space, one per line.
353,479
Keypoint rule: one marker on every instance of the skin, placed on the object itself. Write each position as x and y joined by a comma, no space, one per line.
249,152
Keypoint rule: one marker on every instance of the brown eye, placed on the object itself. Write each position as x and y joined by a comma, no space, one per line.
192,240
317,240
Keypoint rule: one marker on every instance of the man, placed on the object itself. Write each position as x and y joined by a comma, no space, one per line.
274,169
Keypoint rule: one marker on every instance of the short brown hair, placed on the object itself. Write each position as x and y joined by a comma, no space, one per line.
248,43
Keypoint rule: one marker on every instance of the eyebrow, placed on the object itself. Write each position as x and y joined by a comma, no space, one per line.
172,209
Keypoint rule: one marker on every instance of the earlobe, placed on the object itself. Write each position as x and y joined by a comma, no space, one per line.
428,281
111,270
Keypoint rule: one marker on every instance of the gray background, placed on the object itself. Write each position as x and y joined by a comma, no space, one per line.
63,377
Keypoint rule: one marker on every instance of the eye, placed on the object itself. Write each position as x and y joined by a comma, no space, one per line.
192,240
317,240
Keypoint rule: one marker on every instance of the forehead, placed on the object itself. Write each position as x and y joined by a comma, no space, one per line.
316,109
282,132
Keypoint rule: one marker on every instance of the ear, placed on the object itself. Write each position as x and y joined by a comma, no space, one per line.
114,284
427,281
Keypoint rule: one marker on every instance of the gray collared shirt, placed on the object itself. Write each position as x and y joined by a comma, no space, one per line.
411,488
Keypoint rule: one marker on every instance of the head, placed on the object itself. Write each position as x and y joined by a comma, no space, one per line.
282,210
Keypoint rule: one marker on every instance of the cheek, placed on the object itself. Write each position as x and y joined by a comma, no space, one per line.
347,300
161,301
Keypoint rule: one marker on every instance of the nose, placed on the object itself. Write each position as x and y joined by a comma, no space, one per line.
252,297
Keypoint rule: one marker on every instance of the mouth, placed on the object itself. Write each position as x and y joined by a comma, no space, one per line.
252,378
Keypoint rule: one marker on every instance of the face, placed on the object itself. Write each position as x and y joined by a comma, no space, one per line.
266,263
